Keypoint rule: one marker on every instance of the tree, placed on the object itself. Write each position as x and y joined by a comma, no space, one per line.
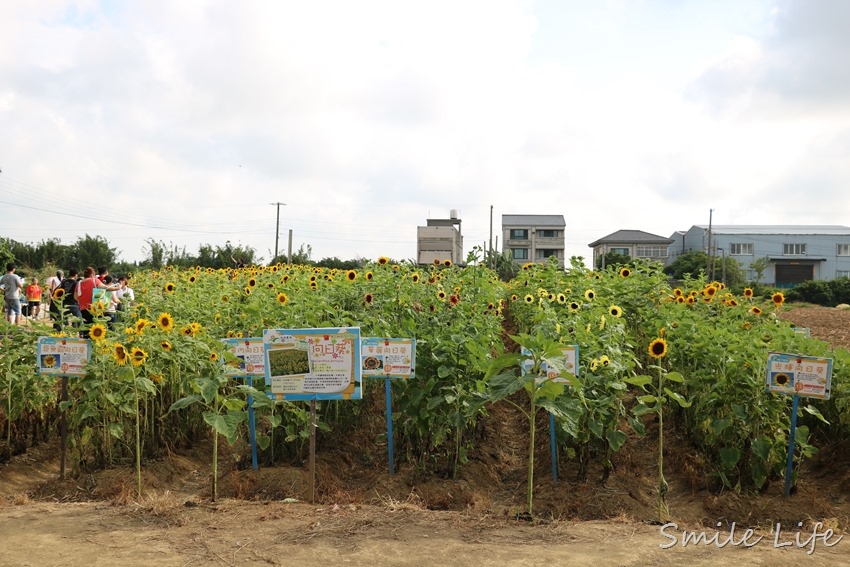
91,251
303,255
612,258
689,263
693,264
759,266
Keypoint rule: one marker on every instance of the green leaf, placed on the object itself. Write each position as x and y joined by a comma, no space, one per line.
640,381
209,389
263,442
761,448
674,377
503,385
616,438
720,424
729,457
647,399
225,425
678,397
443,371
184,403
274,420
116,430
812,410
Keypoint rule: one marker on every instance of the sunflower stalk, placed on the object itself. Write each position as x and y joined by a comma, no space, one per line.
656,396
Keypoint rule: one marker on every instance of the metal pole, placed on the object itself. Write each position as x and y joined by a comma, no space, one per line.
789,464
277,228
313,451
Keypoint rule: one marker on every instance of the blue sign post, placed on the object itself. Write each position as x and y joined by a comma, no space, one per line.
388,358
570,364
797,375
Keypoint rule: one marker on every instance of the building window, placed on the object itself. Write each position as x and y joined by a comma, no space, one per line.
519,253
651,251
546,252
519,234
547,233
620,251
741,249
842,273
794,249
844,249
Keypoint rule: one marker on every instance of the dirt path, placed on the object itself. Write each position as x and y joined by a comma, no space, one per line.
245,533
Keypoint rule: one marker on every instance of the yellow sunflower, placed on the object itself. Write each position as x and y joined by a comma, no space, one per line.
351,275
589,295
414,277
748,293
170,287
213,357
755,310
441,295
625,272
138,356
48,361
282,298
58,293
97,332
165,321
165,345
383,260
615,311
529,298
368,299
447,263
119,353
369,276
140,325
657,348
252,282
777,298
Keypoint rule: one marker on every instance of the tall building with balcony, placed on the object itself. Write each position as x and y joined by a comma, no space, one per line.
440,239
534,238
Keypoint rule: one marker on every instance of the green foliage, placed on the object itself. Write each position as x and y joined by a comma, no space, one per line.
828,293
613,260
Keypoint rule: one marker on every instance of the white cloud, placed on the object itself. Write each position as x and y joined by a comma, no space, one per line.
186,120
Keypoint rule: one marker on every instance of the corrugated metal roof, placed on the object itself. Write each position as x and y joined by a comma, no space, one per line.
765,229
534,220
631,237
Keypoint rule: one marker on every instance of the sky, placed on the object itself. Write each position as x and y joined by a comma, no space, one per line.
184,123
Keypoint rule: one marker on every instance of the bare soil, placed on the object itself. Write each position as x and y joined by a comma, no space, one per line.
361,515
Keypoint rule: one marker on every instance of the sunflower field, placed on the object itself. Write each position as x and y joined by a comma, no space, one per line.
709,345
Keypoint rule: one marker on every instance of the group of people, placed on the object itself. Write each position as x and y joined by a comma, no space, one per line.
94,293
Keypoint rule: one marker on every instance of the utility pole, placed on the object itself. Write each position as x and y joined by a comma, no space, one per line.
490,253
277,227
709,273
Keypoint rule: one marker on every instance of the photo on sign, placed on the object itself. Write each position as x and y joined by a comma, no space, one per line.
289,362
50,360
372,363
782,380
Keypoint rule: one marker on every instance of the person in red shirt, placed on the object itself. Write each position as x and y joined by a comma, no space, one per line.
83,294
34,298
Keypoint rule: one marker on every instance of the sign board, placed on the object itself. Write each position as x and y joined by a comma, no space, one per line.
62,356
794,374
388,358
570,364
251,358
313,364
